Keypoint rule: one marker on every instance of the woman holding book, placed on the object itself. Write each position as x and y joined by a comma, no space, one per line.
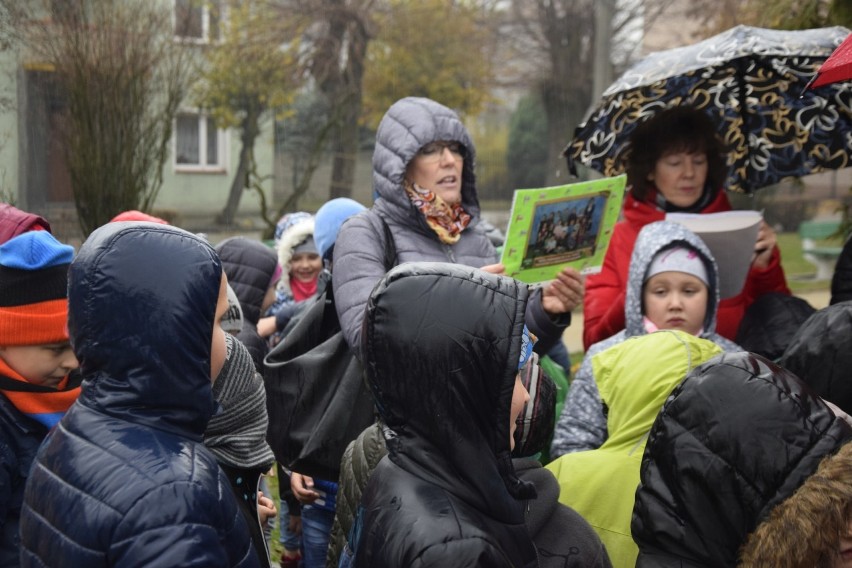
675,164
424,183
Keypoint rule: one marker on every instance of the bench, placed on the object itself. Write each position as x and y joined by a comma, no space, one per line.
823,257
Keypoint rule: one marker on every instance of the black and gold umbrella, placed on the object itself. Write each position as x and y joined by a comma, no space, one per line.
751,81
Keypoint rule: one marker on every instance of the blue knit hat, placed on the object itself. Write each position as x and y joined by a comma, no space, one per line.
328,220
34,289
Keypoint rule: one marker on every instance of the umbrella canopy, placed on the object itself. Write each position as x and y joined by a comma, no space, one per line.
838,66
751,81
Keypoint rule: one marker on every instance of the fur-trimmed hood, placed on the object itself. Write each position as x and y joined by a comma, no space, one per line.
291,237
805,530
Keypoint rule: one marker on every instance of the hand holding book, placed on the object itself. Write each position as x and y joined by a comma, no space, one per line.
557,227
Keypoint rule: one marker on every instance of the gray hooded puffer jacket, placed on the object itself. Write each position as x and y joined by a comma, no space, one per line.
582,424
410,124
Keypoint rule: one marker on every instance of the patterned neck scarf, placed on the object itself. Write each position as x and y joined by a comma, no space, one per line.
45,405
448,221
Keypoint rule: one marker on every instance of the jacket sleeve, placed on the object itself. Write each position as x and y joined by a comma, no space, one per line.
547,330
358,462
357,266
603,303
761,281
582,424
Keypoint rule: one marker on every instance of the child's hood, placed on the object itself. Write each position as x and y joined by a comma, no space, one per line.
292,234
141,310
250,266
634,385
652,239
441,345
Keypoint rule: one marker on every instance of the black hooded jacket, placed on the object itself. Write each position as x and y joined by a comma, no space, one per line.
737,437
250,266
124,478
441,344
821,354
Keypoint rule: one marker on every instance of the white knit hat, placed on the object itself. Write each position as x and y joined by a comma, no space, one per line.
678,259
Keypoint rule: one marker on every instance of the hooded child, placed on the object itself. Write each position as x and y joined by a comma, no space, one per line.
562,537
600,484
253,272
735,441
450,423
301,268
145,303
236,435
673,284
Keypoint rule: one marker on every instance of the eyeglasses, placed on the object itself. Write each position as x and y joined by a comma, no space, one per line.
434,150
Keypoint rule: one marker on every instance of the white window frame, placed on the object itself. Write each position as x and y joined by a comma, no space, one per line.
222,147
205,22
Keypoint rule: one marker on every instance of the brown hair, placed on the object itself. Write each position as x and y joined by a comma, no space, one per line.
673,130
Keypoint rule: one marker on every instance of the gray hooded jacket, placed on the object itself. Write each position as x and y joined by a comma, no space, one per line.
410,124
582,425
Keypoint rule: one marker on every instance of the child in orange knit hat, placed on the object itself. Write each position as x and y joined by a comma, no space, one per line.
36,361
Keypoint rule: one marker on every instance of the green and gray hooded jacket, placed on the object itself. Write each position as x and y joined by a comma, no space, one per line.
582,425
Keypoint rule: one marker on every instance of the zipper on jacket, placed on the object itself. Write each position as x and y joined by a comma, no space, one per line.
448,249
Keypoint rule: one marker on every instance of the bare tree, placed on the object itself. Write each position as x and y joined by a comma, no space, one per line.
338,67
556,39
779,14
123,78
337,33
247,77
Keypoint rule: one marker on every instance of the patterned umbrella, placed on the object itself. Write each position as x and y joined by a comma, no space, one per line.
751,81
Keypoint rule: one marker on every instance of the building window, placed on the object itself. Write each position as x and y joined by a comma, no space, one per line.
198,20
199,145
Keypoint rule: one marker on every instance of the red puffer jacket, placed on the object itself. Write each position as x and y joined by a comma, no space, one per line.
603,304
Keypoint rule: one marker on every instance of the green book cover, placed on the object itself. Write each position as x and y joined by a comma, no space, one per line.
567,225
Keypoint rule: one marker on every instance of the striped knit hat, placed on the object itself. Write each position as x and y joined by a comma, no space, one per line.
537,419
236,435
34,289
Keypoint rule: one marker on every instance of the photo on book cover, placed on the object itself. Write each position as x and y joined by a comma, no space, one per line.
554,227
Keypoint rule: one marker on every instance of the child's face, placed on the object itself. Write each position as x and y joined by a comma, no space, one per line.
844,553
44,365
218,348
520,397
305,266
675,300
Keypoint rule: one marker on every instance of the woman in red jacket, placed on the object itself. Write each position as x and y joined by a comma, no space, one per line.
675,163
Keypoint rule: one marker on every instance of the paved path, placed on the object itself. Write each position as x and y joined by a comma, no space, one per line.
573,336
